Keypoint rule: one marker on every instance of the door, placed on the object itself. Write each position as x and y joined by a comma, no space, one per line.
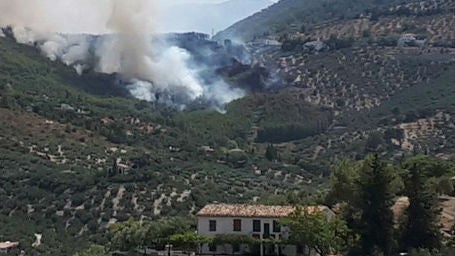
266,231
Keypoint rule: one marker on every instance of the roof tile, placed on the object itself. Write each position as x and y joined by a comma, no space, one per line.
250,210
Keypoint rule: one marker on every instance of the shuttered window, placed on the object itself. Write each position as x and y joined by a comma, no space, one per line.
237,225
212,225
256,225
276,227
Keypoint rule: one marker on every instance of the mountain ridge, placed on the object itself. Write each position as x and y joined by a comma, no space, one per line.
293,14
210,17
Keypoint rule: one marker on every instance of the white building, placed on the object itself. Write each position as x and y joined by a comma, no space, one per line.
8,247
259,221
317,46
411,40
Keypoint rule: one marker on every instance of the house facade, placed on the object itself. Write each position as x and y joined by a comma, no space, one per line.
261,222
8,248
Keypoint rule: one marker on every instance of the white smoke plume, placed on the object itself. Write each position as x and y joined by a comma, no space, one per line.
132,28
124,45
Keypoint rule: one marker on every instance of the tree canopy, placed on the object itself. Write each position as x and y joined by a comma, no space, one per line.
420,227
315,230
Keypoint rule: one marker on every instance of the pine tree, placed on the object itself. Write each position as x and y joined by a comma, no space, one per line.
375,202
420,229
343,183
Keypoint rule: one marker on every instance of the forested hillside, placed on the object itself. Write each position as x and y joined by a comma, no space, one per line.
79,154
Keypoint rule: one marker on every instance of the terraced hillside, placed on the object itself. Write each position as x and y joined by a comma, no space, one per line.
387,97
74,160
430,19
78,153
328,17
292,15
363,77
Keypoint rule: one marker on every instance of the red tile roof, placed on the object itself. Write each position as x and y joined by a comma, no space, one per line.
8,245
251,210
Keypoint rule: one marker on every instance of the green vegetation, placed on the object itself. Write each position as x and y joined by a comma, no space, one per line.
420,228
94,250
63,146
81,161
366,192
375,202
323,235
291,15
418,101
189,241
366,223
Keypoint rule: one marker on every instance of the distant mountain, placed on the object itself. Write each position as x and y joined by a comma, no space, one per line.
205,17
288,15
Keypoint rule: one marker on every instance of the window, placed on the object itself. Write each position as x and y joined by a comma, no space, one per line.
276,227
256,226
212,225
237,225
212,247
266,231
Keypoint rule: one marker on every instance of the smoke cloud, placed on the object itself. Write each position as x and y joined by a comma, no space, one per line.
132,28
114,36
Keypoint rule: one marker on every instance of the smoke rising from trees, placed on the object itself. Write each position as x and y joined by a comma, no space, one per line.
124,45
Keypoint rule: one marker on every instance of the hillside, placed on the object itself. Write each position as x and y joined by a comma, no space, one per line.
79,153
293,15
75,161
329,17
395,99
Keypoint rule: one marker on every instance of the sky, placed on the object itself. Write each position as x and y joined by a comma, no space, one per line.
207,16
92,16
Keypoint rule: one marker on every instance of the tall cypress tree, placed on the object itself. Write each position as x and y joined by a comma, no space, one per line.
271,153
420,229
375,202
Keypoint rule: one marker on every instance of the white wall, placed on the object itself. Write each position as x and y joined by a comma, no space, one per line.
225,225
